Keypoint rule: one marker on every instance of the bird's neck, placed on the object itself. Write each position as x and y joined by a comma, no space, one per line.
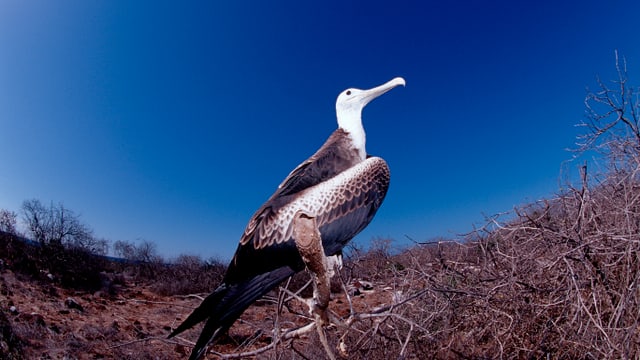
353,127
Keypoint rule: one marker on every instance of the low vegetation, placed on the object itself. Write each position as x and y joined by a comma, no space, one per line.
559,278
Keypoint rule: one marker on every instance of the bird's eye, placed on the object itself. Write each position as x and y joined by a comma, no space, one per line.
348,92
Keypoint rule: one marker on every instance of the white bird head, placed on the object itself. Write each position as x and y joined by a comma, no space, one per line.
349,107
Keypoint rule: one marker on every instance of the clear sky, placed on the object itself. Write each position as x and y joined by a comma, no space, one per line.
174,121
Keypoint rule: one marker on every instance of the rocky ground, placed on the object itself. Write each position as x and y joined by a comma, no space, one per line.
44,321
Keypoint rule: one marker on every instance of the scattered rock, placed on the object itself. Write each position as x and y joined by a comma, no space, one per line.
366,285
357,287
13,310
72,304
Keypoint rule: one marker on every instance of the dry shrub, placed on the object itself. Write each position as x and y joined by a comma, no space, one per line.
19,255
560,280
73,267
374,264
188,274
70,266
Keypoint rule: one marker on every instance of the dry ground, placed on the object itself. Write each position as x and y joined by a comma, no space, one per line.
134,323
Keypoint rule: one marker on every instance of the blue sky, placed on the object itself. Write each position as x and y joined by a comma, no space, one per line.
173,122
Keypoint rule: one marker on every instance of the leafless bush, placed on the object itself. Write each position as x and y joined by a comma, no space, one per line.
66,248
72,267
612,121
188,274
11,248
142,261
561,280
8,221
57,225
372,264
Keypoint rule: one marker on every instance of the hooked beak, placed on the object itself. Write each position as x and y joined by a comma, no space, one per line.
368,95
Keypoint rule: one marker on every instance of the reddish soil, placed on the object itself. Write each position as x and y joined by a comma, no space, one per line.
55,323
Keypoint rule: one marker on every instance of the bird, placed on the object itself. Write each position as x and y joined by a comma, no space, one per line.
340,185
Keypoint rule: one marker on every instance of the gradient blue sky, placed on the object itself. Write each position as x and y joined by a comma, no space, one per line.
174,121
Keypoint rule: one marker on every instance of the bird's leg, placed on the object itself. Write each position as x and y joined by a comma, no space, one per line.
309,244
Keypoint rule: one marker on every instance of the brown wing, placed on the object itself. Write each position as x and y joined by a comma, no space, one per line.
342,206
330,160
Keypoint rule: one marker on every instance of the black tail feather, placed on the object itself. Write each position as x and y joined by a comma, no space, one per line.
206,308
225,305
